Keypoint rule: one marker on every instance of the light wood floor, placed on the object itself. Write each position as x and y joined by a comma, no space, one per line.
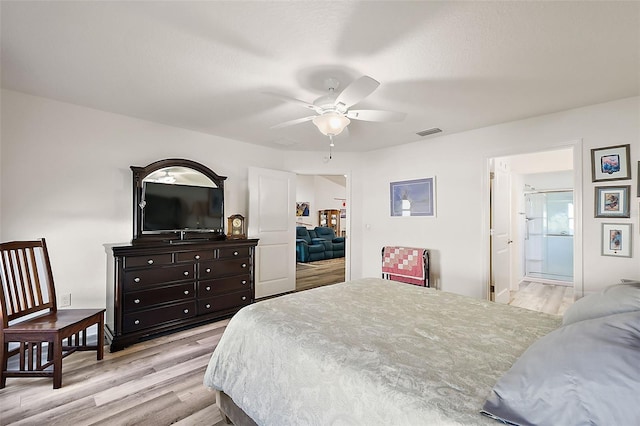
548,298
319,273
158,382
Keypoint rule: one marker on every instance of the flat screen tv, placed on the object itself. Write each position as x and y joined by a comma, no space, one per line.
174,208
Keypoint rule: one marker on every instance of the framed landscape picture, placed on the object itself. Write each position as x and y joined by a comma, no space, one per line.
610,163
612,201
413,197
616,239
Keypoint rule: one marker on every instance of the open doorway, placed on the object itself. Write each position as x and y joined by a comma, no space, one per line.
539,219
548,235
321,230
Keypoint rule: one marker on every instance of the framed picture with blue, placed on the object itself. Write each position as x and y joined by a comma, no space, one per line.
616,239
415,197
610,163
612,201
302,208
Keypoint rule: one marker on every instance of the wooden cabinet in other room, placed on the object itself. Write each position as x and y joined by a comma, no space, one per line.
330,219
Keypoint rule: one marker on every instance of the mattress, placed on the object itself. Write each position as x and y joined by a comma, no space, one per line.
370,352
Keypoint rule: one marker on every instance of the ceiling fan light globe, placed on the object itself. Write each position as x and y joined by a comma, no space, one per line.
331,123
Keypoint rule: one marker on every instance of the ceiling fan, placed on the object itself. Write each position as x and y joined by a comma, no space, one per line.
333,113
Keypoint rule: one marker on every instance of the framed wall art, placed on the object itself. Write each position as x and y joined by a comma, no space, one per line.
610,163
616,239
612,201
413,197
302,208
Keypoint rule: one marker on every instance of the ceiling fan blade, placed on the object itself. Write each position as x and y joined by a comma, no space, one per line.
375,115
292,100
357,91
293,122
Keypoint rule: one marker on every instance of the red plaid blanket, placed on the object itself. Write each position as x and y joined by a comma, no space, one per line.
404,264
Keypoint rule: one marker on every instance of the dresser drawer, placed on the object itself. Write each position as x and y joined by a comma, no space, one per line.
230,252
190,256
223,285
221,268
138,279
136,300
144,319
226,301
152,259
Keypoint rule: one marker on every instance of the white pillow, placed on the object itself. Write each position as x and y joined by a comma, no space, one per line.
614,299
586,373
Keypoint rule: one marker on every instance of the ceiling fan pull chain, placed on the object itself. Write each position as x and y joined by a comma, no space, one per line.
330,147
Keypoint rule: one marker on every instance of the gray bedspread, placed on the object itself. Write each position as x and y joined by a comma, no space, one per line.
370,352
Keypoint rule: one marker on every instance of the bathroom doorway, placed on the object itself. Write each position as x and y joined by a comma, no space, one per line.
548,240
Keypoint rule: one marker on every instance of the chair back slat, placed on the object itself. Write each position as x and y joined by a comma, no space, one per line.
26,280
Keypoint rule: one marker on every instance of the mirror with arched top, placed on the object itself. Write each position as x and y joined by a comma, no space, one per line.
177,200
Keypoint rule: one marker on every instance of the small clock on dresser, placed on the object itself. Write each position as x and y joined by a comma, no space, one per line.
235,227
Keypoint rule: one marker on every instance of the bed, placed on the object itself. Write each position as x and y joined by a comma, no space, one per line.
376,352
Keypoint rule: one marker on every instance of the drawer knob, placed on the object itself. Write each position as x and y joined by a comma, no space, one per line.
244,297
186,311
197,256
208,288
186,292
244,282
235,253
150,261
136,322
136,301
244,265
136,279
208,270
207,306
186,273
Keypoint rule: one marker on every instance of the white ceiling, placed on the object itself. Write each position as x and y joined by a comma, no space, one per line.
205,65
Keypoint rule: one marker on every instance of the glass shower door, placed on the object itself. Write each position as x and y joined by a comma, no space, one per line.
549,235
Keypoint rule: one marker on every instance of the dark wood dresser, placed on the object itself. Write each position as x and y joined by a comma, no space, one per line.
159,288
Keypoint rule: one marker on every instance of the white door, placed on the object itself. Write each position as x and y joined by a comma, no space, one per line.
500,231
272,219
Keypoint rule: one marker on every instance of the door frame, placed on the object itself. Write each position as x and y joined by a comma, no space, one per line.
576,145
348,196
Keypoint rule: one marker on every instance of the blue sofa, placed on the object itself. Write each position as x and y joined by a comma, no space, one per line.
308,250
333,246
319,243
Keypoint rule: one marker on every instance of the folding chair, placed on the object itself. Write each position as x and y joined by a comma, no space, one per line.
31,321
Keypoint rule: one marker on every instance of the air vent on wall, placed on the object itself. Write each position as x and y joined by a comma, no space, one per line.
429,132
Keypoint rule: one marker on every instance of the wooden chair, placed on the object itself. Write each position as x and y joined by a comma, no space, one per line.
31,321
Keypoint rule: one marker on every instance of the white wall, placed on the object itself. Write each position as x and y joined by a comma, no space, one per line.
329,196
547,181
305,192
458,236
65,175
321,193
